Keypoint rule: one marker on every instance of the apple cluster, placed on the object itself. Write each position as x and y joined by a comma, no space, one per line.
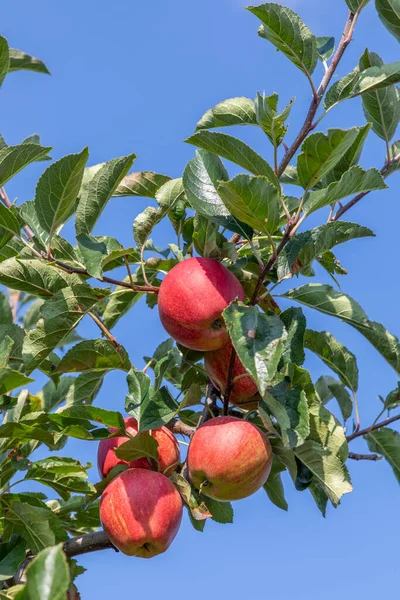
228,458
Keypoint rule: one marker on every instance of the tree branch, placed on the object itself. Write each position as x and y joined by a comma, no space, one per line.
137,288
364,456
384,172
178,427
362,432
308,125
90,542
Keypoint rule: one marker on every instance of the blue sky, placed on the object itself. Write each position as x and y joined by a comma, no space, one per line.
135,77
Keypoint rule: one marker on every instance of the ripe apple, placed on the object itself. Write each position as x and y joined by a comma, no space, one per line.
191,300
141,512
168,451
244,392
229,459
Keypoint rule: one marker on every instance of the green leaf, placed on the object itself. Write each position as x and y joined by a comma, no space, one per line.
198,509
353,181
342,89
325,48
102,253
289,407
200,179
321,152
9,221
234,150
4,58
35,277
274,487
94,355
29,522
295,324
20,60
98,192
85,387
20,431
15,158
268,118
287,32
141,445
12,554
205,234
327,300
11,380
335,355
327,469
252,200
321,499
381,106
258,340
394,156
119,304
47,577
393,398
389,13
355,5
235,111
150,408
327,388
5,310
221,512
144,224
109,418
60,315
351,157
57,191
53,395
375,78
386,442
303,248
64,475
290,176
143,183
386,343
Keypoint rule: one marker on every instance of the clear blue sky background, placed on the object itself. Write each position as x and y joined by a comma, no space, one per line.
136,76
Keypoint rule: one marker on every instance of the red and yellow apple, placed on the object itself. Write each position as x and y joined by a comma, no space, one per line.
191,300
168,451
229,459
244,392
141,512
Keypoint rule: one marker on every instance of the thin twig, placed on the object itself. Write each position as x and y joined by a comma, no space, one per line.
308,125
364,456
229,383
129,272
368,430
384,172
104,329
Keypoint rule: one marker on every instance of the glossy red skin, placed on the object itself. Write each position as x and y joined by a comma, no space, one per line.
168,451
244,391
229,459
141,512
191,300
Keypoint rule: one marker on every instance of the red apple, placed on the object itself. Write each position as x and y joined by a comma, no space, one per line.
191,300
141,512
168,451
229,459
244,392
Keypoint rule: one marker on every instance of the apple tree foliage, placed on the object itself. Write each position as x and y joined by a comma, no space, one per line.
252,224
